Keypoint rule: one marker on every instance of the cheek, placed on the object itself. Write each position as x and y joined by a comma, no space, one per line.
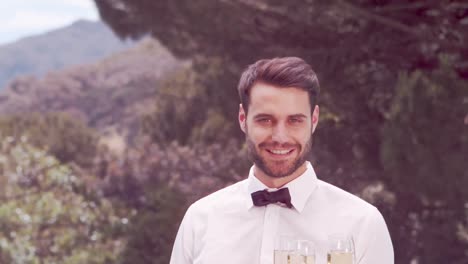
258,134
301,135
306,134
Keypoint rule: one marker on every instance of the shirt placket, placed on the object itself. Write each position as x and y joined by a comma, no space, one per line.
270,227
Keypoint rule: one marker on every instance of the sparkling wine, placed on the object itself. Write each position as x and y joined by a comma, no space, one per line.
282,257
289,257
335,257
301,259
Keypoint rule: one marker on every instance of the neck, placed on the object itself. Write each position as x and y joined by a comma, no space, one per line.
272,182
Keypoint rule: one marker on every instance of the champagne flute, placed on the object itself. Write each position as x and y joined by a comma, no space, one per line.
304,252
340,249
284,248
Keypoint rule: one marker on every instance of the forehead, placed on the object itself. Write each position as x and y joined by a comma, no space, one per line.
269,99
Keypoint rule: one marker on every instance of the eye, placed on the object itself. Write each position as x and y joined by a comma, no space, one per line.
264,120
295,120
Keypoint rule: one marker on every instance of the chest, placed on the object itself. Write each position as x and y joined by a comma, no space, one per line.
249,237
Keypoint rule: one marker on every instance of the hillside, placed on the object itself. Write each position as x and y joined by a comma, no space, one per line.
81,42
110,93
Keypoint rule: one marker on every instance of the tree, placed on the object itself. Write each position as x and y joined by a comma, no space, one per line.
154,227
425,139
46,214
189,107
65,138
155,183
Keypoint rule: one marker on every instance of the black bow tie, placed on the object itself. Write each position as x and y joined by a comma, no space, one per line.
262,198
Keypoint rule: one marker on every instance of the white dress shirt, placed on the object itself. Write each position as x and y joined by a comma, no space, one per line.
226,228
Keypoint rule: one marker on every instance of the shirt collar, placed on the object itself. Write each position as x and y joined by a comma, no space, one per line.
300,188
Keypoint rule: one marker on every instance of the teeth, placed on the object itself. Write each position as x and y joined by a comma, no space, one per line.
280,152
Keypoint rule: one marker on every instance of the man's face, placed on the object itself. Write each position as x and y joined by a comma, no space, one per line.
278,128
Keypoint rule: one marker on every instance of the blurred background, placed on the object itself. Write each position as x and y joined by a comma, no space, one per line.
115,115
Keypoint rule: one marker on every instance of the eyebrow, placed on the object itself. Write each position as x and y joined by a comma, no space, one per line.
298,116
261,116
290,116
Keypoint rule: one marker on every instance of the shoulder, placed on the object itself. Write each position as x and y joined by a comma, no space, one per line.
232,196
371,236
343,200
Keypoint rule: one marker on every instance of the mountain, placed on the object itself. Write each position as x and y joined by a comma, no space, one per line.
110,94
81,42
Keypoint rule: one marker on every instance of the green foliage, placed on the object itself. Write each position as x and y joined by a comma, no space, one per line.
424,149
45,217
64,137
154,183
153,229
194,170
426,135
175,108
189,109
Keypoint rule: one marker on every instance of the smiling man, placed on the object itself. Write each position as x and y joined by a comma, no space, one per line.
282,195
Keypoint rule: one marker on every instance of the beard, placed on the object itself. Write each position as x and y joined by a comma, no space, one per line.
278,169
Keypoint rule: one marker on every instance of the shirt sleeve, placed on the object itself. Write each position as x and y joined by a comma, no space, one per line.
182,251
376,243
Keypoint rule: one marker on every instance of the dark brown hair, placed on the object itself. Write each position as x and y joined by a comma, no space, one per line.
281,72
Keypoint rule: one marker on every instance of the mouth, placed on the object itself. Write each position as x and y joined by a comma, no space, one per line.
280,153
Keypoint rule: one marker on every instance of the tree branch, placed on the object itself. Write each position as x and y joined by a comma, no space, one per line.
378,18
400,7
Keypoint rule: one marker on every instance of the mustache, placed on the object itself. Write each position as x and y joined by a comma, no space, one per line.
277,145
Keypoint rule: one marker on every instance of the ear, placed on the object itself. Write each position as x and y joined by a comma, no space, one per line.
315,118
242,118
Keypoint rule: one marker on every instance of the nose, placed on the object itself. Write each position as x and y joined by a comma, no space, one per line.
280,134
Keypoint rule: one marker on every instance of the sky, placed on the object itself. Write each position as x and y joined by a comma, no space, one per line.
22,18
